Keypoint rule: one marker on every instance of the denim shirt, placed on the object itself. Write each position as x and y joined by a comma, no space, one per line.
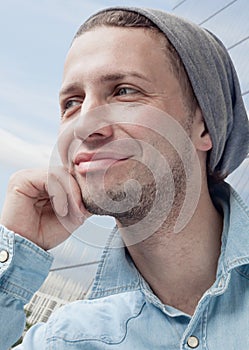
122,312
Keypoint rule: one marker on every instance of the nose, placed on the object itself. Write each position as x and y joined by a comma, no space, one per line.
92,125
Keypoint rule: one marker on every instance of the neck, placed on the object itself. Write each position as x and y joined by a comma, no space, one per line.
181,267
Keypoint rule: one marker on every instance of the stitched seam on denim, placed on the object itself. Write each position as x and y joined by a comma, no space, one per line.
117,290
7,243
204,325
237,270
105,339
240,201
221,290
7,238
195,318
16,292
237,262
102,264
96,291
29,247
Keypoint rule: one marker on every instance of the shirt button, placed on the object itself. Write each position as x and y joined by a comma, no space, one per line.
4,256
193,342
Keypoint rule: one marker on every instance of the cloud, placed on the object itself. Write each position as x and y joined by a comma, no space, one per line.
29,99
27,111
36,132
71,11
16,152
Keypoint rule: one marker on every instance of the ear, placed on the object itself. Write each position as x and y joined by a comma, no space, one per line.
200,135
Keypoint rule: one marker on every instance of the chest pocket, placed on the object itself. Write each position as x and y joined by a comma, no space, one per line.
104,320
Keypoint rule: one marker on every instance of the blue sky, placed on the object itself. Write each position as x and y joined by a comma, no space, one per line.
35,36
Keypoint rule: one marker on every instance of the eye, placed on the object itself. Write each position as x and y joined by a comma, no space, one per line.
70,106
71,103
126,91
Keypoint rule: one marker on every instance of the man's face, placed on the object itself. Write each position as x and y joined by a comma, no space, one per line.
117,84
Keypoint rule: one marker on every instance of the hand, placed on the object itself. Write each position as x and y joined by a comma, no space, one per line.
43,208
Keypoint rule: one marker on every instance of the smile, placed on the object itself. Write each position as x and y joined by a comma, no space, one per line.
85,162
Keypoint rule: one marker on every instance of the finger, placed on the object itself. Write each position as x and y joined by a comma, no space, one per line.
75,201
66,193
58,195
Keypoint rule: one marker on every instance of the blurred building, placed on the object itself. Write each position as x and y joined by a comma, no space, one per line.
54,293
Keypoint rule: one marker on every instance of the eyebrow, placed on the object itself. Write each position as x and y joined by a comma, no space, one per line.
70,89
122,75
110,77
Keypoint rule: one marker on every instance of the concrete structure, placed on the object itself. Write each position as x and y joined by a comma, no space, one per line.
54,293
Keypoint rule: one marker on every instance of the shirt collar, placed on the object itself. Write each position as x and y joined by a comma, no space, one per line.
235,236
116,271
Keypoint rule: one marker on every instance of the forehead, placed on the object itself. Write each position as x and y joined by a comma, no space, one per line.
115,45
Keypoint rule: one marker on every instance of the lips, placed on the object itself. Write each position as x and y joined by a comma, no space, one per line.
87,157
85,162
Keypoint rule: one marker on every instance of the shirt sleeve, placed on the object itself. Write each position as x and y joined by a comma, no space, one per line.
23,268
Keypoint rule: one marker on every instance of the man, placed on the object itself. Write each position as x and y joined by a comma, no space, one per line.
152,120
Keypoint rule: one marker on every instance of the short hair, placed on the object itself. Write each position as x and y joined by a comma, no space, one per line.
129,19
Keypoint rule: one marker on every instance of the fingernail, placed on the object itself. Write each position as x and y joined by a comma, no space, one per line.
65,210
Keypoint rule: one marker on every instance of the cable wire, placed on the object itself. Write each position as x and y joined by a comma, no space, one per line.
238,43
179,4
217,12
74,266
245,93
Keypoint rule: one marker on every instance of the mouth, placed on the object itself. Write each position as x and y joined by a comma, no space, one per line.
89,162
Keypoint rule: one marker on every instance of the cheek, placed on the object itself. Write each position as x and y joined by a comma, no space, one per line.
64,144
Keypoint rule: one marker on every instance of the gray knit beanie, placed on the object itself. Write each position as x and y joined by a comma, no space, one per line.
215,84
